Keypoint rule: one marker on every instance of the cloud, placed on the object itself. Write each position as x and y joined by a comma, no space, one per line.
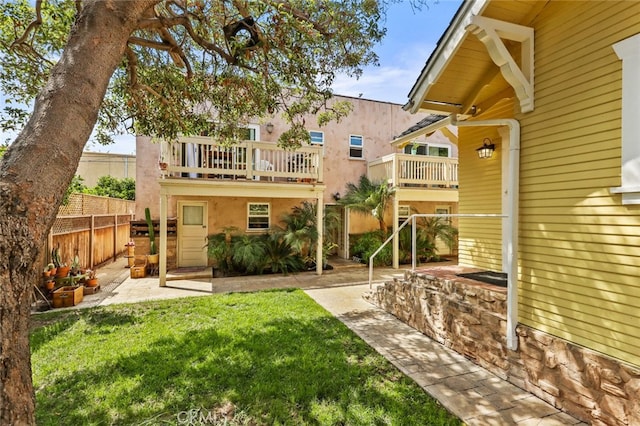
390,82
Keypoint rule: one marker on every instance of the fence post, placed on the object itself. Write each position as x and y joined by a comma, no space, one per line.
115,237
92,239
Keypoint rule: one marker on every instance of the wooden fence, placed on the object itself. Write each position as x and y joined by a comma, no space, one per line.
94,228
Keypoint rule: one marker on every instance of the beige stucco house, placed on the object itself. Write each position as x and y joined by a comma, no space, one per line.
207,187
554,86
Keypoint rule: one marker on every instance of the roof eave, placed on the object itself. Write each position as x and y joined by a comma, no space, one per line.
445,50
423,131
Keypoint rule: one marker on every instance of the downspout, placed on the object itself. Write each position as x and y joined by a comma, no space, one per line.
511,235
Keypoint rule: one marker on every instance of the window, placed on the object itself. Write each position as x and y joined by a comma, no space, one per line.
249,133
415,149
432,150
444,210
438,151
628,50
404,212
258,216
355,146
317,138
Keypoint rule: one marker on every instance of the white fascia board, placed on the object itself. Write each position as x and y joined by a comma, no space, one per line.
445,50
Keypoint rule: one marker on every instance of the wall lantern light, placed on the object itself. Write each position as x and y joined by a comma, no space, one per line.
269,127
486,150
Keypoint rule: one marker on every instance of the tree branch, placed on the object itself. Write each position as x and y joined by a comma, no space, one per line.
300,15
31,27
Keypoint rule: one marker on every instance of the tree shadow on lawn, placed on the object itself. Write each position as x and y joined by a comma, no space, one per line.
52,324
292,370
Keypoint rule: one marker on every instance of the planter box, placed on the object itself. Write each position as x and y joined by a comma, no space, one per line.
67,296
91,290
139,268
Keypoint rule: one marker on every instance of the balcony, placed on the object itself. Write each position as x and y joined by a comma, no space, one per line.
406,170
202,158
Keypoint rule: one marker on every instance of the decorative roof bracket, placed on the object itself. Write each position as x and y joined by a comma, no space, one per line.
491,33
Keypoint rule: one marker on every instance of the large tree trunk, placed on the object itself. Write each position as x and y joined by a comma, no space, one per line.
35,172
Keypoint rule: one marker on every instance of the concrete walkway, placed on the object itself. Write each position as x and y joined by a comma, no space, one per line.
472,393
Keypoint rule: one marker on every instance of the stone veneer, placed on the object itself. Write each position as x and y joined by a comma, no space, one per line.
470,317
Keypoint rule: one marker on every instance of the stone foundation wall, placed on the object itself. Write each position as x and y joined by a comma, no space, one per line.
470,318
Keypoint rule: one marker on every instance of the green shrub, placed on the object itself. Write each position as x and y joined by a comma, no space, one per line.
252,254
367,243
248,254
280,256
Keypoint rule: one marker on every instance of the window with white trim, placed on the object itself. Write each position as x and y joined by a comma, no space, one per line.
415,149
317,137
258,216
404,211
628,50
356,145
444,210
438,150
432,150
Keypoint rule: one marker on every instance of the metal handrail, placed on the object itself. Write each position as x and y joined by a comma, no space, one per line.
412,218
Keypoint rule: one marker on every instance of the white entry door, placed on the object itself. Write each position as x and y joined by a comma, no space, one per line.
192,233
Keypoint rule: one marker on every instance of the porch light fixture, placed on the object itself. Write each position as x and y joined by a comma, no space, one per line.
269,127
486,150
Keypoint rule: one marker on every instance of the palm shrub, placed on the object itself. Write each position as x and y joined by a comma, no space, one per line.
248,254
219,249
425,249
299,229
280,255
367,243
369,198
433,228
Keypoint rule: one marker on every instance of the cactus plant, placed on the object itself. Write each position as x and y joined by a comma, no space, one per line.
152,236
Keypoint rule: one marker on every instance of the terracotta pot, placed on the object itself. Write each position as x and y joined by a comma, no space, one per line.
63,271
46,273
50,284
92,282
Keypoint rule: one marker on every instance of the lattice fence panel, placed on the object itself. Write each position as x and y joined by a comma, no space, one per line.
83,204
70,224
103,222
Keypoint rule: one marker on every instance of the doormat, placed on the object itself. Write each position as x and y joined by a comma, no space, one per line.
489,277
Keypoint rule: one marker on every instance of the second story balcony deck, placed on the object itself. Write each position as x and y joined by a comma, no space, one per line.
202,158
406,170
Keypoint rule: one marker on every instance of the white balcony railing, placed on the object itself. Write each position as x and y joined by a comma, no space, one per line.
200,157
415,170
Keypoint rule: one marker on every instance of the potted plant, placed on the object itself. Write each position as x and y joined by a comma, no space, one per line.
90,279
153,250
52,269
75,266
62,270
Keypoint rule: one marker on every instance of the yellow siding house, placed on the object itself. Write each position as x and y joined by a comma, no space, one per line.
554,86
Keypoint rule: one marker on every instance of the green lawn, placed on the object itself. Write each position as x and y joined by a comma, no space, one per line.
255,358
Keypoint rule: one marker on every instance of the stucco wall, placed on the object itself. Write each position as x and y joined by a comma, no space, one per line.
94,165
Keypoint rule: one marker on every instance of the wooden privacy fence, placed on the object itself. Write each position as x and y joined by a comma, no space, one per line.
94,228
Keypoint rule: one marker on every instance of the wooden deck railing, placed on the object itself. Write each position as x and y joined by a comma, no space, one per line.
415,170
201,157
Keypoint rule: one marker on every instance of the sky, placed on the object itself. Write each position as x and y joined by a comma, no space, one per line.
411,37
